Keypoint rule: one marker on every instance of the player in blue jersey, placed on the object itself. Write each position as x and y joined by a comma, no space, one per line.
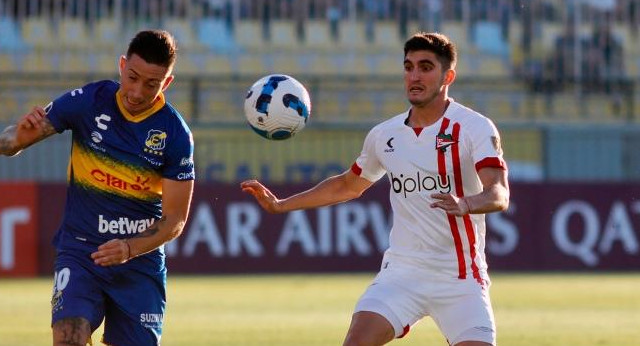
130,181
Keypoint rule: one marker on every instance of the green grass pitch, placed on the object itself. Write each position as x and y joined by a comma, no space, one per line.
315,309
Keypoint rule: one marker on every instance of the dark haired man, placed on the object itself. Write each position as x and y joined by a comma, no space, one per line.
446,170
130,181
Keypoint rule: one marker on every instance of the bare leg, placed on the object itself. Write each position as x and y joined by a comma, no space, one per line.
472,343
73,331
370,329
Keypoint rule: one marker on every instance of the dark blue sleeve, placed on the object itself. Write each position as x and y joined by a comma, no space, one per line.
179,160
64,111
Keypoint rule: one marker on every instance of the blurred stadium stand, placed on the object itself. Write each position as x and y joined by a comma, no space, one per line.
518,65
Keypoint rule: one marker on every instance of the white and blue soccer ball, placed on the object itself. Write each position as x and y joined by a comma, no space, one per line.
277,106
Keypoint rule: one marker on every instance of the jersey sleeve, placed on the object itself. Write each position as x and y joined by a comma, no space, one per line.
367,164
179,162
487,147
68,107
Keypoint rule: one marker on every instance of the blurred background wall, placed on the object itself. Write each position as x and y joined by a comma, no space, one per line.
559,79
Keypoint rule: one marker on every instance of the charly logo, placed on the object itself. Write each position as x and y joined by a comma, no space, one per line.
389,148
100,121
443,141
155,142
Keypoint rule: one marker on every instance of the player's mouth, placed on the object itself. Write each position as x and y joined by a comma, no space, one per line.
133,105
416,89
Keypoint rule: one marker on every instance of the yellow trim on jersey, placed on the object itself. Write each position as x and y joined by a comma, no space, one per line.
138,118
104,174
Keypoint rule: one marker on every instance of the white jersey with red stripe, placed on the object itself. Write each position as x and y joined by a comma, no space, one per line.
442,158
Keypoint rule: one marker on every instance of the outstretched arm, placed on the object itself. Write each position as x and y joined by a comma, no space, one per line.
494,195
31,128
176,199
336,189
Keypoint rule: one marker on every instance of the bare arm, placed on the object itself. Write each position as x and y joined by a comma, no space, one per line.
494,195
176,200
31,128
336,189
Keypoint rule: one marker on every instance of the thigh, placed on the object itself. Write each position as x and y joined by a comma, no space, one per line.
134,310
392,295
369,328
462,310
76,291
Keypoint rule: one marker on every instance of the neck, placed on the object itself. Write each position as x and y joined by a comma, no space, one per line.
426,115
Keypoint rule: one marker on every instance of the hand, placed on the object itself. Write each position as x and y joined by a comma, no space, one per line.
113,252
267,200
450,204
32,119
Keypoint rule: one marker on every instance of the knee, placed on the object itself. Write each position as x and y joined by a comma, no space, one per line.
357,339
74,331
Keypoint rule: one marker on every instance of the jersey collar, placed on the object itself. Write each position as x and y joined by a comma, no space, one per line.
142,116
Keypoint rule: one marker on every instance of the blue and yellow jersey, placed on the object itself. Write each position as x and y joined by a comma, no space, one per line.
117,163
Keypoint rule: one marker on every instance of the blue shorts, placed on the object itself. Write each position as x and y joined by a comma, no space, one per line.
131,298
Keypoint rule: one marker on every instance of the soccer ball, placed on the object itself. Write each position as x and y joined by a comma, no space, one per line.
277,106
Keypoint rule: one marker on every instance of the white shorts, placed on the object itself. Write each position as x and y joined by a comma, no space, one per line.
404,293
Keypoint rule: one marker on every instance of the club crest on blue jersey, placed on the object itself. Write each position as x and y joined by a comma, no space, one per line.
155,142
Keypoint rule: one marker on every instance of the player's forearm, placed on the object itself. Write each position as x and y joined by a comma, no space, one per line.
159,233
8,141
330,191
495,198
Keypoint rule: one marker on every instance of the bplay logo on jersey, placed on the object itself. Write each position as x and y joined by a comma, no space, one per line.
419,182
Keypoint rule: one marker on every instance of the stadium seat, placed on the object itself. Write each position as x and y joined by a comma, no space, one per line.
291,64
253,64
39,33
7,62
218,64
248,36
352,36
74,62
283,36
488,39
10,37
390,64
318,36
215,35
457,32
41,61
73,35
387,36
106,33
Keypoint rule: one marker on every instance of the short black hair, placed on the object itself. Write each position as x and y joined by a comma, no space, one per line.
444,49
154,46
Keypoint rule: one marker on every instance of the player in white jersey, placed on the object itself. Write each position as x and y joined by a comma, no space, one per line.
446,170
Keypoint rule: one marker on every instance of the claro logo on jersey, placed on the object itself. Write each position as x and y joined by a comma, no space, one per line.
419,182
123,225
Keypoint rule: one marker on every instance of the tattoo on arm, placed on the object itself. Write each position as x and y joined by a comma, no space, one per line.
8,145
47,128
154,228
6,138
